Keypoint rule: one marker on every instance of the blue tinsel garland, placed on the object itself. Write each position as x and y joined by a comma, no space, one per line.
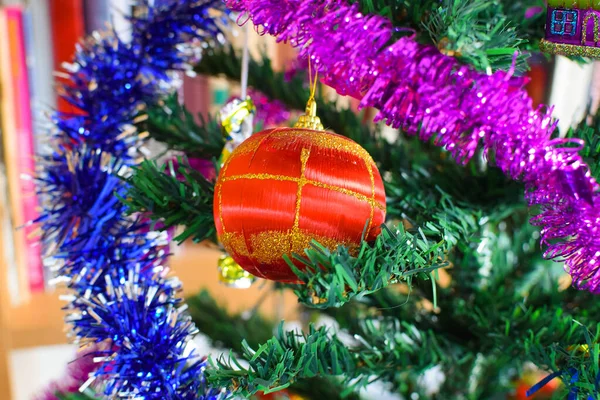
113,263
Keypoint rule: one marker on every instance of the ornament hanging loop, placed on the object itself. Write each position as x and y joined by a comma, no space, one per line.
310,120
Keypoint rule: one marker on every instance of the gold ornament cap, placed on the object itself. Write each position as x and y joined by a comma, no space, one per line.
310,120
232,275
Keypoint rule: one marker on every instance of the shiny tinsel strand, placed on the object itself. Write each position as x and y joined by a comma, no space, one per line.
112,263
78,190
149,334
110,81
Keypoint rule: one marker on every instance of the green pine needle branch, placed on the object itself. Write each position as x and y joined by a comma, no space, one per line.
181,197
331,279
384,348
483,33
472,341
476,32
172,124
230,330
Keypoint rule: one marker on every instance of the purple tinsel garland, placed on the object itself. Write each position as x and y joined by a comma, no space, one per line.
426,93
269,113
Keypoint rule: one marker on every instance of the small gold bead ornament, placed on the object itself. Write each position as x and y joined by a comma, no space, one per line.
232,275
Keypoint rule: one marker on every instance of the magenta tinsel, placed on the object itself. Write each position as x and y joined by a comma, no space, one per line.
76,375
428,94
292,69
204,166
270,113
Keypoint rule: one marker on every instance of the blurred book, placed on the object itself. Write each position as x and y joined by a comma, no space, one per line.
17,138
8,256
97,15
40,63
67,30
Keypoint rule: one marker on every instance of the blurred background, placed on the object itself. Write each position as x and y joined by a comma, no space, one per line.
36,38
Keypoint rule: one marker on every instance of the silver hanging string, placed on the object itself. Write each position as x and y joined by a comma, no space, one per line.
245,62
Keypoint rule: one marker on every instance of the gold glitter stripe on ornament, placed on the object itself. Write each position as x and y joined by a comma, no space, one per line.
218,188
372,202
261,177
358,196
301,182
320,139
569,49
236,243
268,247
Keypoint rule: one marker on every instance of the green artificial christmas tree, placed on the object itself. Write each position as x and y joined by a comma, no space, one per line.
456,285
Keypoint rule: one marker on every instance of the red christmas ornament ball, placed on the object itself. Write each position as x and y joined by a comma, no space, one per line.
279,395
528,380
284,187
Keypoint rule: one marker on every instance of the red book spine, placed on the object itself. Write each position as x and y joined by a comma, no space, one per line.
68,28
23,143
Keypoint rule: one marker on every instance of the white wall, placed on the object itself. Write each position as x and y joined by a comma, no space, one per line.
34,369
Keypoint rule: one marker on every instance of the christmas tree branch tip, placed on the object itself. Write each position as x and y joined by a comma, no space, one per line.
282,360
180,197
333,278
171,123
228,330
291,355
